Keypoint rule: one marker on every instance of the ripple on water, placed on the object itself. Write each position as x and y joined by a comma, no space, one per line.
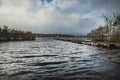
21,73
48,63
47,59
72,73
31,56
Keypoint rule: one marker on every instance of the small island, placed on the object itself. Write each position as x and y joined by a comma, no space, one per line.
8,34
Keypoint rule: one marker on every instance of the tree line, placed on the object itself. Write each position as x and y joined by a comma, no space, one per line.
8,34
53,35
108,32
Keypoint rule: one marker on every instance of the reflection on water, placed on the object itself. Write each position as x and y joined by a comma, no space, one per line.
48,59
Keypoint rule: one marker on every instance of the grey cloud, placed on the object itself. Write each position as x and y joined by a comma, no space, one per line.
57,16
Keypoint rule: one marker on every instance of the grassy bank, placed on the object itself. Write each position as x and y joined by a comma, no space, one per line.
8,34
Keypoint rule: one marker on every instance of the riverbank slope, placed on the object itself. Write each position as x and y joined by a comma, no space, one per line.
93,43
109,45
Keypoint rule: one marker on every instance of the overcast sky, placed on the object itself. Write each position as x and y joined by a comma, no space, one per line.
56,16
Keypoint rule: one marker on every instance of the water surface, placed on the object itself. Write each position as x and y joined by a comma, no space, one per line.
48,59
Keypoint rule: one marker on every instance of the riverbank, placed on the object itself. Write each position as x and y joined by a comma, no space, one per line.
8,34
112,45
115,58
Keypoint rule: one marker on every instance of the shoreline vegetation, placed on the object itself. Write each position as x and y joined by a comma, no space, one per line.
53,35
107,36
111,45
109,32
8,34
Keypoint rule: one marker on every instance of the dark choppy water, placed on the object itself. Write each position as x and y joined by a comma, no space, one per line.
48,59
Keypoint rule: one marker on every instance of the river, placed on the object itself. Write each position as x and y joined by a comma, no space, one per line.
49,59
